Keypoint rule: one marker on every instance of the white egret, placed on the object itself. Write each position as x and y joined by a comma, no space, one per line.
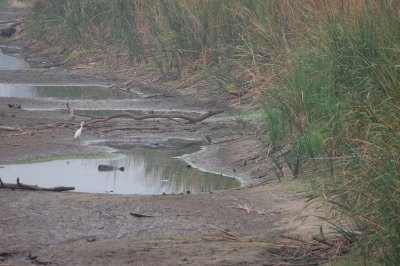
79,132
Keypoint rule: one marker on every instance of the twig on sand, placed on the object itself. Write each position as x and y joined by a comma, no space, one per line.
226,232
138,215
4,128
221,238
249,208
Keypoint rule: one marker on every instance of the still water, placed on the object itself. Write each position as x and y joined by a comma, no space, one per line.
60,92
146,171
11,62
55,92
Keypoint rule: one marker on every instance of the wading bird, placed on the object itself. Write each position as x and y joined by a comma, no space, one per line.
79,132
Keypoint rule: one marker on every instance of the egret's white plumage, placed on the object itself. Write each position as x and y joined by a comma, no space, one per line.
79,132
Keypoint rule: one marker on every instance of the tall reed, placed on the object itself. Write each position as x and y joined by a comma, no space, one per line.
340,102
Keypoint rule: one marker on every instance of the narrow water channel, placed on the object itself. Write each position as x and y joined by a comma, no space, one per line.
137,171
65,92
60,92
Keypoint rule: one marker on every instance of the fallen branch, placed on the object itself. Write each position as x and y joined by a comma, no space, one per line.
30,187
190,119
226,232
130,128
2,128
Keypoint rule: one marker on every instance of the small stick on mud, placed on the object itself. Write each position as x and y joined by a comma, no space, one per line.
140,215
3,128
19,185
226,232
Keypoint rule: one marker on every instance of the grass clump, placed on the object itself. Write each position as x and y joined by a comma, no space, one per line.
340,102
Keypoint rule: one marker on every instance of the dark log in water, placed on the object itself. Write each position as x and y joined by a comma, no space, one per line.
8,32
107,168
19,185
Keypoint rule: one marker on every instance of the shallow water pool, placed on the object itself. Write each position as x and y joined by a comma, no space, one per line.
11,62
61,92
146,171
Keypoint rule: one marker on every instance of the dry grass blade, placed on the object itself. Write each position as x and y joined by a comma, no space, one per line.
224,231
292,251
221,238
249,208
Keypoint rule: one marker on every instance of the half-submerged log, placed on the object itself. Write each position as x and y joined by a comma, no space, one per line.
19,185
106,168
8,32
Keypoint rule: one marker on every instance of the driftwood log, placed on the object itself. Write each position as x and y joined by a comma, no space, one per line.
19,185
189,118
4,128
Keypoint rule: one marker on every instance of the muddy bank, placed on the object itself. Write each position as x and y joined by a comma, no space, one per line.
82,229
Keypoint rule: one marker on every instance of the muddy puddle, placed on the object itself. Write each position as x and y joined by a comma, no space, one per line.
139,171
11,62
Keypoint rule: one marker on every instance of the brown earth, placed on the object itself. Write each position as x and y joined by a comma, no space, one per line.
95,229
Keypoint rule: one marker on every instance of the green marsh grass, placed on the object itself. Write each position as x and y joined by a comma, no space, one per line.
340,102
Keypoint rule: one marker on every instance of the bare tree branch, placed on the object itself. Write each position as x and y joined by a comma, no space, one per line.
2,128
19,185
189,118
